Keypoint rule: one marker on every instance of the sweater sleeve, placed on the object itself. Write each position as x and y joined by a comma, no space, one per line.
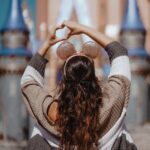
120,74
119,60
116,90
34,95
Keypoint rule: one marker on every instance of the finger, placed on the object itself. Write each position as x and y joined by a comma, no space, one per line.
69,34
63,25
60,26
66,37
54,27
52,36
52,32
66,24
59,40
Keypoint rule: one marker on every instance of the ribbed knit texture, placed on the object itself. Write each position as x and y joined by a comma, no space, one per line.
39,63
115,97
36,97
115,49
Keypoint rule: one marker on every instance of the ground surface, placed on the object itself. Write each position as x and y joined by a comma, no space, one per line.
141,135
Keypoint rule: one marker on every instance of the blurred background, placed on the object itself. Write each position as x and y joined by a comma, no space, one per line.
25,24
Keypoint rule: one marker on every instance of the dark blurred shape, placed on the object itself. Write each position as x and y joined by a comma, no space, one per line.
132,36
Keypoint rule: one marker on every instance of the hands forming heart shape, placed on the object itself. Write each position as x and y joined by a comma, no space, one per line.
74,29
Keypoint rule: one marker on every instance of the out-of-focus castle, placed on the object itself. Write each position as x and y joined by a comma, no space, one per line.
26,26
14,56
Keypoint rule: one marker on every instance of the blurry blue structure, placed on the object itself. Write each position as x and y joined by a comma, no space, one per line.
15,19
132,36
132,23
14,24
14,56
132,20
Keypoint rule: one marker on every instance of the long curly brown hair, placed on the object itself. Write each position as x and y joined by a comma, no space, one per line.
78,105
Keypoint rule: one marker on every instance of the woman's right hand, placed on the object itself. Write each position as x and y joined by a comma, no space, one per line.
51,40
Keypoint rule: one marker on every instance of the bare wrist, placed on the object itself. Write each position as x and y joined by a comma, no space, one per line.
83,29
44,48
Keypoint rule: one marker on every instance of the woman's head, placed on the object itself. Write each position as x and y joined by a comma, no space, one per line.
79,68
79,103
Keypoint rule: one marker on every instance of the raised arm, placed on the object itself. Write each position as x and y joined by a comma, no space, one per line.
35,97
117,89
118,54
76,28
